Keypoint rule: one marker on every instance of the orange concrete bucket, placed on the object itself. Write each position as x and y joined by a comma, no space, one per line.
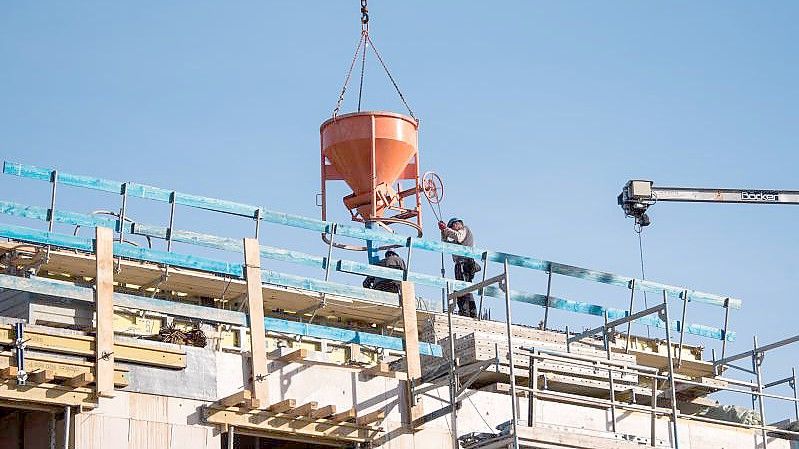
370,151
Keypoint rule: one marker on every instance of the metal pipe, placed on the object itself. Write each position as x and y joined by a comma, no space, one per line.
534,387
171,221
568,340
19,349
672,389
630,323
756,361
778,382
549,292
408,261
606,344
123,211
452,366
724,331
795,397
765,348
67,425
654,412
482,290
618,322
53,191
329,251
231,435
682,325
514,410
257,223
477,286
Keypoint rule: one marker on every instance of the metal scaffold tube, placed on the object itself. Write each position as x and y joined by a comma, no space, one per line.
514,409
672,389
452,375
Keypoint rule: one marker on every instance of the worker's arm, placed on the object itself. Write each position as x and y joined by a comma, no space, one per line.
453,236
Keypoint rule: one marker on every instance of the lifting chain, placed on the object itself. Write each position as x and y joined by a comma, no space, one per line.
364,17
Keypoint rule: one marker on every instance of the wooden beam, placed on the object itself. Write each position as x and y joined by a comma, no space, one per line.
282,406
289,357
104,302
64,368
255,301
268,424
240,397
81,380
412,357
369,418
324,412
128,351
9,372
48,394
303,410
347,415
381,369
41,376
410,330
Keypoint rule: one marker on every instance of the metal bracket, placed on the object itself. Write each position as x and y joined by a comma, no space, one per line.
19,346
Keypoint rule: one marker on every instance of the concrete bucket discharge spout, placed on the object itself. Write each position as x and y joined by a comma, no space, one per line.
372,152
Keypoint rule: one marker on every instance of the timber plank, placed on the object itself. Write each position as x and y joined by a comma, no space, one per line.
255,303
84,345
282,406
104,303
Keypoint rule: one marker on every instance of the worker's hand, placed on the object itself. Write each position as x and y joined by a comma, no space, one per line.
442,225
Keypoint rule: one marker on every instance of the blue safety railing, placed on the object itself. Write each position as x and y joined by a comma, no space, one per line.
123,226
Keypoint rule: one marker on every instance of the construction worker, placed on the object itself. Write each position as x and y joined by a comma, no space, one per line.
391,260
465,267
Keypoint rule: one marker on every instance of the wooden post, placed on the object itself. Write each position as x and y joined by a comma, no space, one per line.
104,303
411,334
255,301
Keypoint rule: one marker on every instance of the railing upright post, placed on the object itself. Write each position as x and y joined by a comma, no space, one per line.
549,295
672,389
629,324
611,383
682,325
514,410
452,366
757,359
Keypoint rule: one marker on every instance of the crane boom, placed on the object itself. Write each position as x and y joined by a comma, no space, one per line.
638,195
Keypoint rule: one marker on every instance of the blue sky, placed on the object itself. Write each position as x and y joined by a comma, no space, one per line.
534,113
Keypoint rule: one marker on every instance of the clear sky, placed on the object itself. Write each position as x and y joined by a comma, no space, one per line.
534,113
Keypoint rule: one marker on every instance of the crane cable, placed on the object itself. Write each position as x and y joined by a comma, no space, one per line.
365,41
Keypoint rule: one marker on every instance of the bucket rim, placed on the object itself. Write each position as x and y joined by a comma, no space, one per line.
407,118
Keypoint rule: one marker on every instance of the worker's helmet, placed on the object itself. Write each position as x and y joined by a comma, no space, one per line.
453,220
391,253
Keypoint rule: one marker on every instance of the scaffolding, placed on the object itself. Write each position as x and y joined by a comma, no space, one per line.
241,280
536,355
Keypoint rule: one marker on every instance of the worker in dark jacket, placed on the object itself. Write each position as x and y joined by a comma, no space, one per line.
391,260
465,267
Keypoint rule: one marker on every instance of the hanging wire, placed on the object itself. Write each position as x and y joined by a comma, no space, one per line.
363,69
396,87
361,41
366,41
638,230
